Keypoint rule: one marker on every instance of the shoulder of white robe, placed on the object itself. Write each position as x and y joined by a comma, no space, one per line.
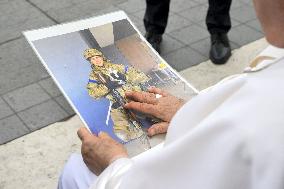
264,59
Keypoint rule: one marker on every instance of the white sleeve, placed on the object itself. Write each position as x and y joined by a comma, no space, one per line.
111,176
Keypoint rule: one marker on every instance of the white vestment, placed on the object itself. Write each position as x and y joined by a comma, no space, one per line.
230,136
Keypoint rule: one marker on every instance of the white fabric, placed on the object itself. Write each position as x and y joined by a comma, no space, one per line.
230,137
76,174
272,51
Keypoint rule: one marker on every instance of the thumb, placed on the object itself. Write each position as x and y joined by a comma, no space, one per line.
158,128
103,135
83,133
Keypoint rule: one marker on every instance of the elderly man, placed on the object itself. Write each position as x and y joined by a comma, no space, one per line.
230,136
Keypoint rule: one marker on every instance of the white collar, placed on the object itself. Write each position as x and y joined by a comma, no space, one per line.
267,57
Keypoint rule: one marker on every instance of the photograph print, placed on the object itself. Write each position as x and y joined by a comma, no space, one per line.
95,66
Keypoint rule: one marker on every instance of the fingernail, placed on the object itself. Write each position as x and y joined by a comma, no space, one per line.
129,93
150,132
101,133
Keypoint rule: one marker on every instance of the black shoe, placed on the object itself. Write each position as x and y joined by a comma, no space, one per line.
155,40
220,50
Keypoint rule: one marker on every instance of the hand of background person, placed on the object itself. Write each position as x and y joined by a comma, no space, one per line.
164,107
99,151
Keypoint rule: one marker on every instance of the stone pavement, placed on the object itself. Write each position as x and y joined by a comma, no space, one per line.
29,100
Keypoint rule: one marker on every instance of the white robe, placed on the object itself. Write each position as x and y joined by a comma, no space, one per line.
231,136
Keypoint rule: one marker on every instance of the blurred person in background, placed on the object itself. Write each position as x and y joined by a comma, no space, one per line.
217,20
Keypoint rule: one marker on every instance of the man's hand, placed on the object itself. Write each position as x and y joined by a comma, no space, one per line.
99,151
163,107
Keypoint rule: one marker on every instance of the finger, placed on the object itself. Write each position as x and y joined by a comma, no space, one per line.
143,97
141,107
103,135
157,91
158,128
83,133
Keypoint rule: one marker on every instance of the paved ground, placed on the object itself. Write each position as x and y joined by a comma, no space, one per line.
29,100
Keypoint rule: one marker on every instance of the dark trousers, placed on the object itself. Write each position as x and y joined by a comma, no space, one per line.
217,19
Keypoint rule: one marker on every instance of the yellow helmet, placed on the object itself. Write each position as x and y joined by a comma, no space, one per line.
89,53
